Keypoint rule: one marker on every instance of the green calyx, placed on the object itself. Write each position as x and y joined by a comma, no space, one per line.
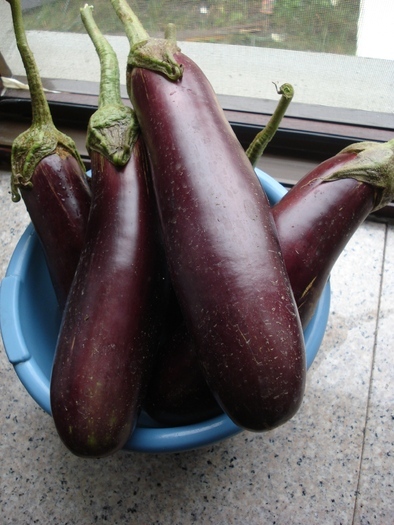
113,128
155,54
112,131
31,147
374,165
42,138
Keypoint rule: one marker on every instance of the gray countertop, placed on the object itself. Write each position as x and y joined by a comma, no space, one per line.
333,463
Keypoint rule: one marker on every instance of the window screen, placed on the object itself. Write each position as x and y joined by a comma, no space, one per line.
336,53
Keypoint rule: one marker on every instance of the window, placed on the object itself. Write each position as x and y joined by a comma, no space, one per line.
336,52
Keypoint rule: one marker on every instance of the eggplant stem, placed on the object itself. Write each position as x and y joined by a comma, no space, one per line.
109,66
42,138
262,139
170,32
155,54
134,30
41,114
113,128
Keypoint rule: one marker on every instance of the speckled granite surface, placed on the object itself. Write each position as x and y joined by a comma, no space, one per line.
333,463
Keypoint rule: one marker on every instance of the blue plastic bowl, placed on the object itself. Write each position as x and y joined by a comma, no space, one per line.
29,322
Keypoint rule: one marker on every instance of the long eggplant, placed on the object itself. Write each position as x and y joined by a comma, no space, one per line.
220,240
178,393
319,215
112,321
48,173
315,221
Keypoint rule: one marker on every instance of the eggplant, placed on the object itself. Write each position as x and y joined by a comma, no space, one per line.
49,175
220,241
112,321
178,393
315,221
319,215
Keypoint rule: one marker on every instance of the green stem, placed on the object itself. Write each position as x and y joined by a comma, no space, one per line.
41,114
113,128
134,30
170,32
156,54
262,139
109,66
42,138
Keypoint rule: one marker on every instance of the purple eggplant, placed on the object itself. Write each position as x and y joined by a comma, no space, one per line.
48,173
111,324
315,221
178,393
221,245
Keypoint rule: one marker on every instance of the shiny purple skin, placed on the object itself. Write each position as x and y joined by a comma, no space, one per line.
222,249
112,320
58,204
315,221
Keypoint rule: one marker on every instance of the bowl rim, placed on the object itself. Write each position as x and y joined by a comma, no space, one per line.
143,439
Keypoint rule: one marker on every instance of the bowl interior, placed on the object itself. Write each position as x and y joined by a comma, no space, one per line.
30,319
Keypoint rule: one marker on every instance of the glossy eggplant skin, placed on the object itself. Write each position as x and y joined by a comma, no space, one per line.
58,203
47,171
112,320
315,221
222,249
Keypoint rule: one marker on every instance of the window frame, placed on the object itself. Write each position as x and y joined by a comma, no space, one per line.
308,133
